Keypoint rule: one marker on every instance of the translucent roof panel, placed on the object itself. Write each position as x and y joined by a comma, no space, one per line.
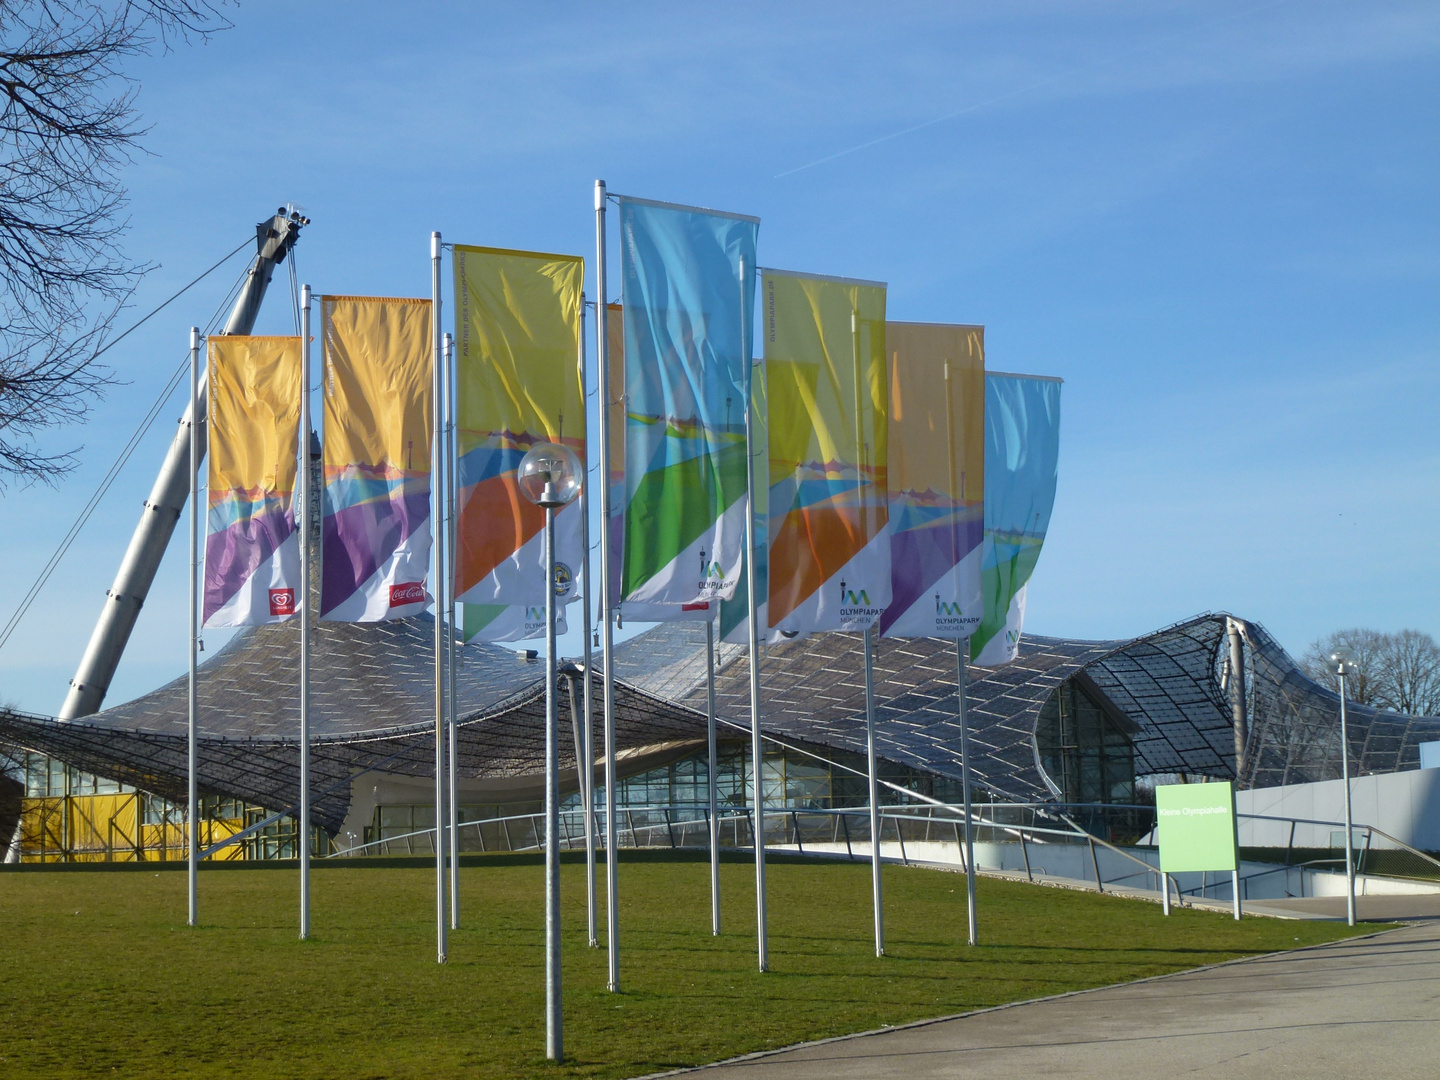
373,708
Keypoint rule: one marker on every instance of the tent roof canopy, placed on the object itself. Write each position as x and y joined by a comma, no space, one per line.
372,708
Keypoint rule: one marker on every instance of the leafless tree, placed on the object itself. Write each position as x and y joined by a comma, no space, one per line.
1399,672
1411,684
68,126
1364,648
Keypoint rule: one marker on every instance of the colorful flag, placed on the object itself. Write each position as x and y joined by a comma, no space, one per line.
631,610
508,622
252,548
735,612
1022,458
686,376
825,376
517,325
936,474
378,401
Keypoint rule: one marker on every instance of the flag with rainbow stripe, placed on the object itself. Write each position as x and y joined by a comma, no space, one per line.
378,400
252,548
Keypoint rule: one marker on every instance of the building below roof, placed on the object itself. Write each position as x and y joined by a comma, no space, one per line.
1068,720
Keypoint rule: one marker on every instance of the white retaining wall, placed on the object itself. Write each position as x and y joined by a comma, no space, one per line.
1406,805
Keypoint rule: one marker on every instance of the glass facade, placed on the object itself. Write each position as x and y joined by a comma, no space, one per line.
1083,749
56,793
792,780
277,840
48,777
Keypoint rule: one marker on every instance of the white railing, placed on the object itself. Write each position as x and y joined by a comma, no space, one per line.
1038,840
836,832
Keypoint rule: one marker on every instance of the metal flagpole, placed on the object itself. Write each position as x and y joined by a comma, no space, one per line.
710,771
602,382
751,594
961,645
192,752
306,494
557,470
1341,670
875,889
577,740
437,503
877,898
554,1046
587,735
447,585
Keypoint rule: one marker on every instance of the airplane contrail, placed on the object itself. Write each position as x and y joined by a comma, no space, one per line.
1029,88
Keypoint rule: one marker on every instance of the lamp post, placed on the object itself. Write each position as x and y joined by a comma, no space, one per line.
1344,667
550,477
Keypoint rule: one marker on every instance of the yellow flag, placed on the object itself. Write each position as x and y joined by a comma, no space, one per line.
937,479
825,376
378,401
252,556
517,369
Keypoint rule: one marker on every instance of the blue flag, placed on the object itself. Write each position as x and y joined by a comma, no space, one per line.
1022,461
686,384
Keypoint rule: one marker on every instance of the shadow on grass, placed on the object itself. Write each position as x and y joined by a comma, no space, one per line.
101,987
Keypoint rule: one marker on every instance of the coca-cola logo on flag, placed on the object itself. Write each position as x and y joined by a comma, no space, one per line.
282,601
410,592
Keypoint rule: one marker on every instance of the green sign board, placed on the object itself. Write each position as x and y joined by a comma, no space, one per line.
1196,827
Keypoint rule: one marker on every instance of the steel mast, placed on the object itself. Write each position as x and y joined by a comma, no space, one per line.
273,240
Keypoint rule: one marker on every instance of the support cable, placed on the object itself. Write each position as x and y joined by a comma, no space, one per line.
294,291
130,446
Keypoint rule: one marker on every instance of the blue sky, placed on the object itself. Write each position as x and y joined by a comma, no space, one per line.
1217,221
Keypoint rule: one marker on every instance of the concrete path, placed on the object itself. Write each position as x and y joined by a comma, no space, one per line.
1349,1011
1415,907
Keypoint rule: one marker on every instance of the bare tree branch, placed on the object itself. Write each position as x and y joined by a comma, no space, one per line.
1364,648
1411,684
1399,672
68,126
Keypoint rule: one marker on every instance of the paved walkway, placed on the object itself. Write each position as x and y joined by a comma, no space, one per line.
1354,1010
1415,907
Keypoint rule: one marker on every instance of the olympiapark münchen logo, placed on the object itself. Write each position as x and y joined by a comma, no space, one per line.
712,574
855,603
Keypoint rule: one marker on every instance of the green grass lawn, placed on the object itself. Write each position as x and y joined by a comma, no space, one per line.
100,976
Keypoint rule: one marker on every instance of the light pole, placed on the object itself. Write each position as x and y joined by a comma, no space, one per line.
550,477
1344,667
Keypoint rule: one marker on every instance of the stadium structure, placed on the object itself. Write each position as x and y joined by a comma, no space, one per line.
1068,722
1083,725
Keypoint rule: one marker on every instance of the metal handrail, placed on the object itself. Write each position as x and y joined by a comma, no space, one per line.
569,840
1062,830
1354,825
1200,889
1059,828
1372,830
1314,864
733,814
